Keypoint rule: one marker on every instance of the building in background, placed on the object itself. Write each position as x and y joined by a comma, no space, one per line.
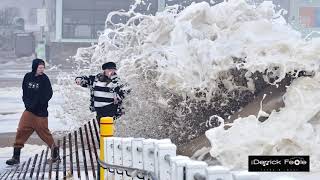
81,20
76,23
18,27
60,27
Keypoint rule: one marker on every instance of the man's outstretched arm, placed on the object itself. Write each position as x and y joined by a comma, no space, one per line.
85,81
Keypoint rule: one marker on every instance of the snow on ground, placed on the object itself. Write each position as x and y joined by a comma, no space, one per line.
27,152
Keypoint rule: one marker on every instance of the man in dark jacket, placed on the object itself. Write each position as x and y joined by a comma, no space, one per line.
106,90
37,92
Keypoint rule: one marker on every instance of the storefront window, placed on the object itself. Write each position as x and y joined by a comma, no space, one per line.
82,19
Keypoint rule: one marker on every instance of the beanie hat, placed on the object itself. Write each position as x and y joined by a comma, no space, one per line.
109,65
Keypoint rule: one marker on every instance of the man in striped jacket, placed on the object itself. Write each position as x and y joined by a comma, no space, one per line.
106,91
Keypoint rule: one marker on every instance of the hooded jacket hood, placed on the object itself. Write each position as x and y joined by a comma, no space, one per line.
36,63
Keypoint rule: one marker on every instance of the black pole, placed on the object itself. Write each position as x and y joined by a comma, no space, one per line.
90,153
33,165
70,153
84,156
58,163
39,166
26,171
77,154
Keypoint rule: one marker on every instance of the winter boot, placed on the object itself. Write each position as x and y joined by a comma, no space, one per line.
55,154
15,158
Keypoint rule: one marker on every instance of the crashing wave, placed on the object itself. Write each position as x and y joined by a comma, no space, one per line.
185,66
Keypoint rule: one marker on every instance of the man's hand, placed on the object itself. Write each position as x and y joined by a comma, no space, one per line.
116,101
78,81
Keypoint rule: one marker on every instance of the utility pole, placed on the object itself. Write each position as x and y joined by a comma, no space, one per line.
42,23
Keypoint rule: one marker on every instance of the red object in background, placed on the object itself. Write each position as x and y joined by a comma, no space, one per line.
307,16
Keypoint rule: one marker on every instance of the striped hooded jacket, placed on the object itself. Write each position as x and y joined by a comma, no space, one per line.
104,91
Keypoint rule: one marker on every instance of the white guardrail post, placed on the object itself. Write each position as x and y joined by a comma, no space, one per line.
137,158
195,169
156,153
165,152
178,164
117,154
109,173
127,156
148,156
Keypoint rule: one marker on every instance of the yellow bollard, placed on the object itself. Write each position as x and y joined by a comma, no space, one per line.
106,130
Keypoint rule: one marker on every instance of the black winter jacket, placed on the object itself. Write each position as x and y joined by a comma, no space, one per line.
37,92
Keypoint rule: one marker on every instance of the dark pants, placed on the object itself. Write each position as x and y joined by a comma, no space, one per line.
107,111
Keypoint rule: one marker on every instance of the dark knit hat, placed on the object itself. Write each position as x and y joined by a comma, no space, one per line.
36,63
109,65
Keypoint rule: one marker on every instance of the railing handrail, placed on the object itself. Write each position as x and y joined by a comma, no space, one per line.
143,172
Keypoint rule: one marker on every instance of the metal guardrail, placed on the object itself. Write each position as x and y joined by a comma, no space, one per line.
130,172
